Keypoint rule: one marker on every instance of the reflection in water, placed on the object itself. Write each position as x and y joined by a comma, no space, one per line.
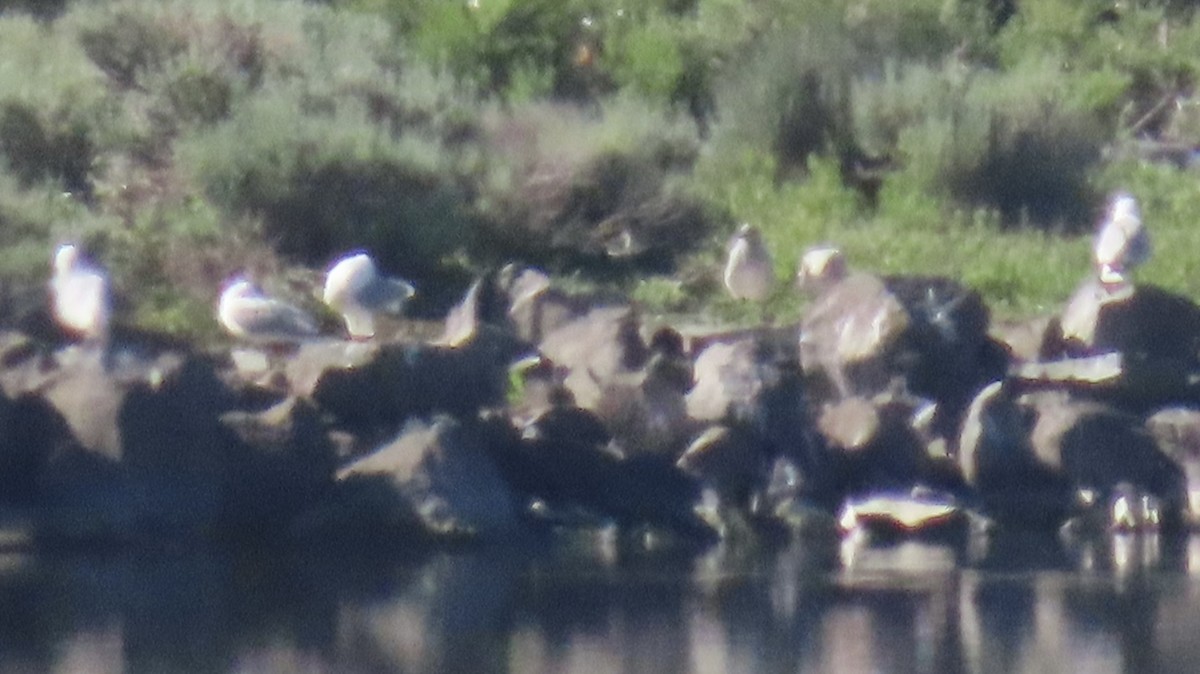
1019,604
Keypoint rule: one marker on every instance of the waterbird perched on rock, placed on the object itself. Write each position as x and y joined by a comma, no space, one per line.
355,289
81,295
821,267
749,271
1122,243
245,312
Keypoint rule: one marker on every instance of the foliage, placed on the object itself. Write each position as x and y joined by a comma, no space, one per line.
611,143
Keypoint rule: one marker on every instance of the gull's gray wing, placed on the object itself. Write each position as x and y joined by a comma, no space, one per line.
385,294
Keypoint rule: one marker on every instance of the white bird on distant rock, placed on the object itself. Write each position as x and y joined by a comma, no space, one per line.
1122,243
749,272
81,295
355,289
821,267
245,312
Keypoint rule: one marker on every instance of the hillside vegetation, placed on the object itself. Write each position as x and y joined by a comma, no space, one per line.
615,144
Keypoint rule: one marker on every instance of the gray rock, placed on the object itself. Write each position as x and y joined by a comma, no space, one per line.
595,348
1011,483
728,460
849,335
725,373
371,388
439,476
1145,322
1046,447
646,410
286,467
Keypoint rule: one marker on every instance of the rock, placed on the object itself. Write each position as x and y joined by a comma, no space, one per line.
878,446
564,457
646,410
1100,448
287,466
849,334
1144,322
725,373
126,450
931,334
1011,484
595,348
948,354
1023,339
373,388
892,516
729,460
439,475
1041,450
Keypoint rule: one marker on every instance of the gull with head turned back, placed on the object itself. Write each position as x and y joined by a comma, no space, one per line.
81,295
1122,242
749,271
246,313
355,289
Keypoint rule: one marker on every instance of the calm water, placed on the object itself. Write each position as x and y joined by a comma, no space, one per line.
1116,604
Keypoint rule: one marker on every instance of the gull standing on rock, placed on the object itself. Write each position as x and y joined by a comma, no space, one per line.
749,272
80,292
355,289
1122,243
245,312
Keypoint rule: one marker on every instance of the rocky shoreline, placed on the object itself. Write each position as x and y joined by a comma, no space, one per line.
894,405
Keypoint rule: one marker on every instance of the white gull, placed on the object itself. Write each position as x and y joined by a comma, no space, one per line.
245,312
355,289
80,293
1122,243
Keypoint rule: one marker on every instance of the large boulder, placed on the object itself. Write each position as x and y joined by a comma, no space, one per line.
372,388
1010,482
121,446
284,467
1144,322
595,348
1019,451
436,478
849,336
865,334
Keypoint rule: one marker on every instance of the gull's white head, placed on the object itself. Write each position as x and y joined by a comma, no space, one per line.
1124,207
820,267
65,258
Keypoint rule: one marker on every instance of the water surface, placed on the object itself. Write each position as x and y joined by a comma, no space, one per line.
1019,604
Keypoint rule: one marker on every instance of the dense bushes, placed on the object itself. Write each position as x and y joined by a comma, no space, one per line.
183,141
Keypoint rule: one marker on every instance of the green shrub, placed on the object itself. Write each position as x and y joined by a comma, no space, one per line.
569,188
1010,142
